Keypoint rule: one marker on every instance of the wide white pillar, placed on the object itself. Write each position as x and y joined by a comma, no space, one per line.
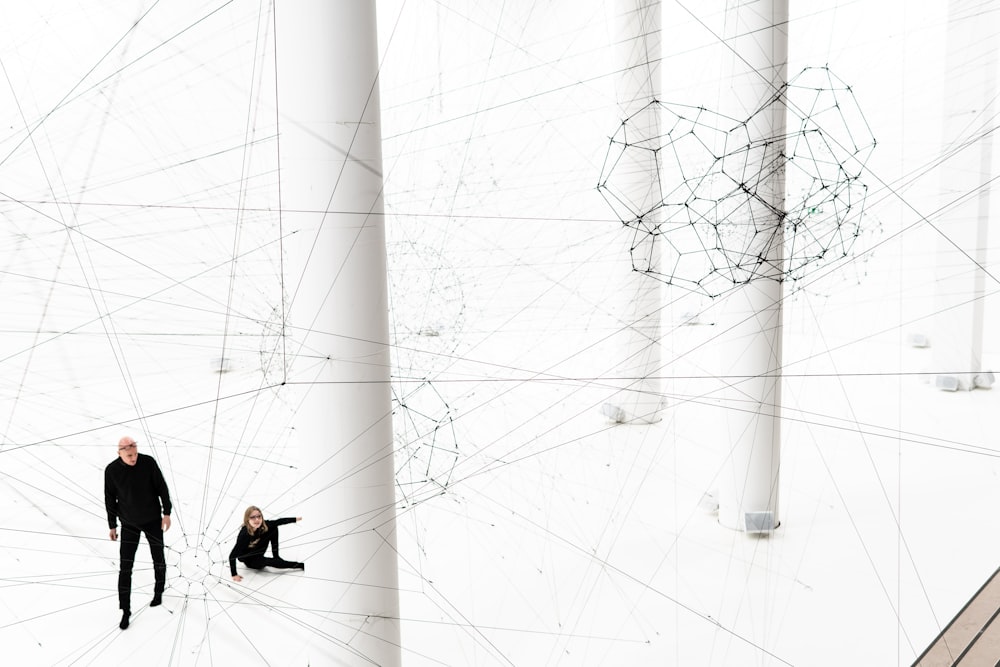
337,331
970,90
636,297
751,313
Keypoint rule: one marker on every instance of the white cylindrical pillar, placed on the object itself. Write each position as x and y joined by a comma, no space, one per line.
337,330
751,313
637,289
969,101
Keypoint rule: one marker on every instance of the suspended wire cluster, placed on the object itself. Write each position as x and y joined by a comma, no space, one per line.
427,447
425,331
733,201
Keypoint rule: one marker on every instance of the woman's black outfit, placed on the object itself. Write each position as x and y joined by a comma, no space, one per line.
250,549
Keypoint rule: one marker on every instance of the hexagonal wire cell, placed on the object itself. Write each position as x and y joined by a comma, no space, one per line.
427,447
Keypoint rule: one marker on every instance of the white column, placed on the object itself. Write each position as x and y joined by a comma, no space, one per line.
337,331
637,294
751,314
969,92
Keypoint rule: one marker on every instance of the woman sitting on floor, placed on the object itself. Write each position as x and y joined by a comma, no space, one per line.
253,539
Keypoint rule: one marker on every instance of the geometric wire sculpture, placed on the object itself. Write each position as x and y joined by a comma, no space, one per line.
711,200
428,311
427,447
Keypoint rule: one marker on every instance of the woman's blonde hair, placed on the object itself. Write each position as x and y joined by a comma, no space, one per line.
246,520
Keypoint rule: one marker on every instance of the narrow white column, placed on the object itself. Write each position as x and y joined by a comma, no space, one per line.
337,331
751,314
637,294
969,92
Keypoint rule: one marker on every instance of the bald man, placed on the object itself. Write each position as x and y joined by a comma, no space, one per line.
135,491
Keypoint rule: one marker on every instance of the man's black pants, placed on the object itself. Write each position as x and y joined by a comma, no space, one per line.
129,545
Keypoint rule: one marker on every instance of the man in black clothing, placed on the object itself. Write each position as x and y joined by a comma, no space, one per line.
134,490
